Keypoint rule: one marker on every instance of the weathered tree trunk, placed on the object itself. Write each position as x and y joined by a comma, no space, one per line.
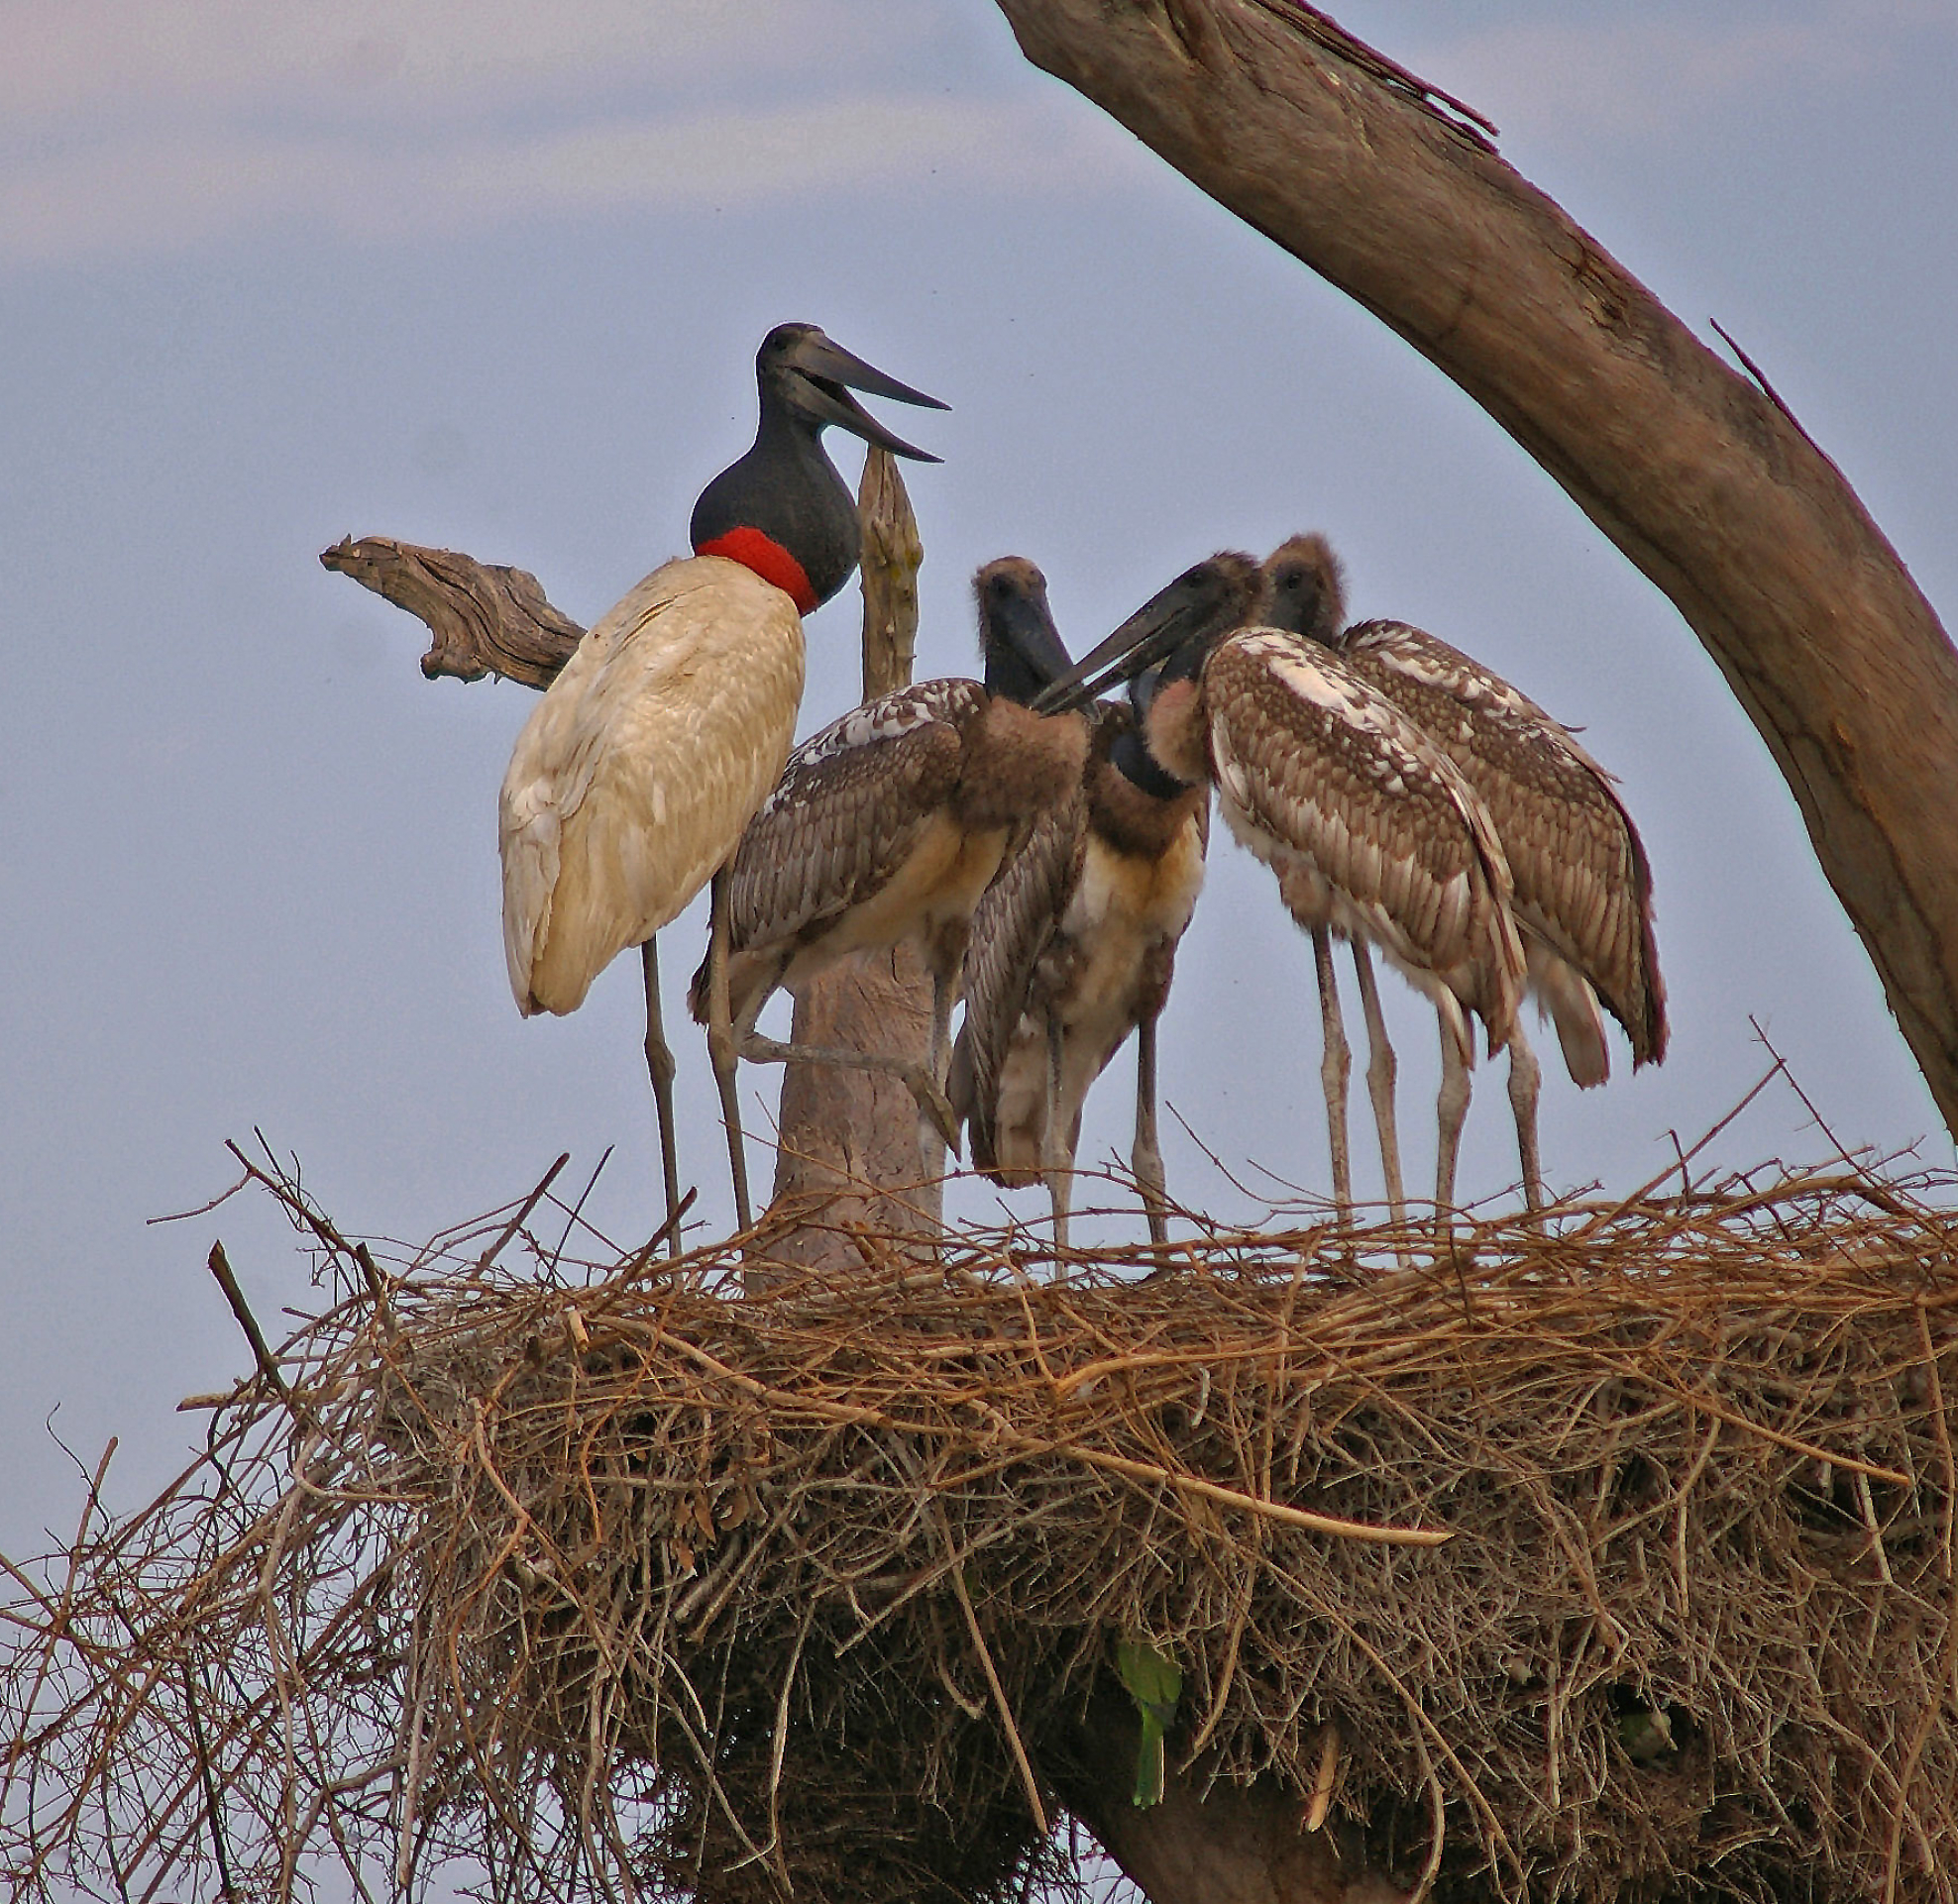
848,1167
1702,480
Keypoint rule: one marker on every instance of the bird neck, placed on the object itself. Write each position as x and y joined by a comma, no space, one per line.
1174,727
1009,675
1132,758
783,511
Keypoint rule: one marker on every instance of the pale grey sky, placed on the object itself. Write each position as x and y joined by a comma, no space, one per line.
493,277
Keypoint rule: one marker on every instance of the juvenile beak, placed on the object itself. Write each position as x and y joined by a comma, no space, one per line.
1209,599
1026,627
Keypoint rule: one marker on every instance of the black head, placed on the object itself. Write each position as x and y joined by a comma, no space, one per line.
804,375
1193,613
1017,640
782,509
1306,589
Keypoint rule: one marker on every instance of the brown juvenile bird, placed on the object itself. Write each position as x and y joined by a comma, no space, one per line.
1583,890
889,823
1072,948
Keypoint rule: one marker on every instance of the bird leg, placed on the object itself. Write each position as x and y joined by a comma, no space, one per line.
1056,1159
1380,1081
932,1137
1147,1157
1452,1108
660,1068
932,1103
721,1047
1525,1076
1335,1068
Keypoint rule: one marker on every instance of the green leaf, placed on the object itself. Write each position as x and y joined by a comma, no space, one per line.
1155,1683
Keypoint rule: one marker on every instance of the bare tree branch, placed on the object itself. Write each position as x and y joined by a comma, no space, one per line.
484,619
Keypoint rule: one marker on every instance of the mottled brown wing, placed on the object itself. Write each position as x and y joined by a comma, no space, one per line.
1326,765
849,808
1581,878
1011,929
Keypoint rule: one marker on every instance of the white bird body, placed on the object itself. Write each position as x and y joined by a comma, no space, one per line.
630,784
636,774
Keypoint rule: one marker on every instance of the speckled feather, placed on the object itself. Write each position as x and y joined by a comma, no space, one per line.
1582,884
636,772
849,808
1368,827
889,825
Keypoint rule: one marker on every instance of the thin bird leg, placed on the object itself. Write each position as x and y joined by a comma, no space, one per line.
932,1140
1147,1157
722,1048
1525,1076
1380,1081
933,1103
1452,1108
1335,1068
1056,1159
660,1068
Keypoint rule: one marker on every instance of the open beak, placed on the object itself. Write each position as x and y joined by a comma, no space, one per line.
831,373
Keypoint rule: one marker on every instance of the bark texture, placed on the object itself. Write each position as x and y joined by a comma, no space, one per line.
483,619
1236,1845
848,1164
1697,475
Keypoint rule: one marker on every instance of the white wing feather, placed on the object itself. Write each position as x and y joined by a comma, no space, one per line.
636,774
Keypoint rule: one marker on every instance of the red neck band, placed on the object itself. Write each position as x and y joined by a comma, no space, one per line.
768,558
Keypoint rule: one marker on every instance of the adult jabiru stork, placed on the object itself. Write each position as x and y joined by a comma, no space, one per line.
1373,833
1072,948
889,823
1582,898
632,779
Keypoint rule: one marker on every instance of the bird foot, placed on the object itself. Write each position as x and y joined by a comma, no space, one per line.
932,1103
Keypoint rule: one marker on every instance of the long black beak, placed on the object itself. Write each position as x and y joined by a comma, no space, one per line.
828,375
1209,599
1025,625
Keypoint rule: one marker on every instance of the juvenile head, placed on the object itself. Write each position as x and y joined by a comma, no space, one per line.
1017,641
1305,589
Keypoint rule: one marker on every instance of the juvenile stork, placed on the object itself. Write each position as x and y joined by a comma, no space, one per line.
632,779
1582,898
890,824
1074,945
1072,948
1372,832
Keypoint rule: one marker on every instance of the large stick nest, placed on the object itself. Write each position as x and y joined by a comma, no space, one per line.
644,1586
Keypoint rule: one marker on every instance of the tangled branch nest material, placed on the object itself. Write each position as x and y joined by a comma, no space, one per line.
639,1586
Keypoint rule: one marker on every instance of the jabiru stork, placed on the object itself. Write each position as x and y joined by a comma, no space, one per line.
1372,834
1582,898
1072,948
632,779
889,823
